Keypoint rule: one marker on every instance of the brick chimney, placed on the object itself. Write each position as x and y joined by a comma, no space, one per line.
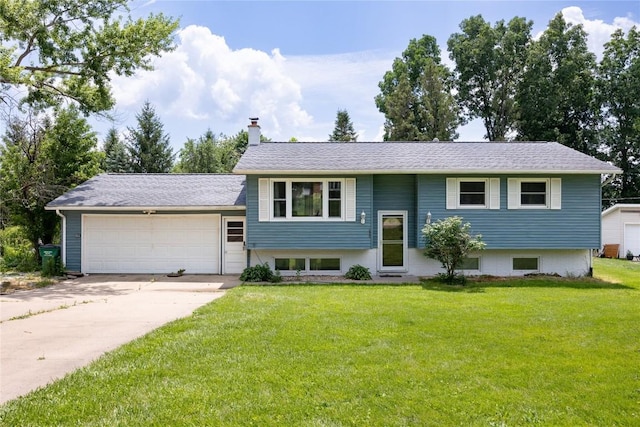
254,131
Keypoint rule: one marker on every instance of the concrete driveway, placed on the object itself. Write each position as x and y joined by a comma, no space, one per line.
49,332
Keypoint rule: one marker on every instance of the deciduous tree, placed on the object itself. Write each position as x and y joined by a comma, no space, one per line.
556,96
416,95
619,92
62,50
41,158
489,65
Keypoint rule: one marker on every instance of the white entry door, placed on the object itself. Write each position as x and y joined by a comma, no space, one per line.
392,241
234,254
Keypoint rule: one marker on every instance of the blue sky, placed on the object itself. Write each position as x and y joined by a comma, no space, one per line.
295,63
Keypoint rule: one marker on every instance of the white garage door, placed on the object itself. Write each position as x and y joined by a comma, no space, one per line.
631,239
151,243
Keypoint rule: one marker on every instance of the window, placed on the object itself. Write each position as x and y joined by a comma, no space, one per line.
525,264
314,264
290,264
473,193
306,199
279,200
534,193
471,263
324,264
235,231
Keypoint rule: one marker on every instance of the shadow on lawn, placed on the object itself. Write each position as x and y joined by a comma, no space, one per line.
479,284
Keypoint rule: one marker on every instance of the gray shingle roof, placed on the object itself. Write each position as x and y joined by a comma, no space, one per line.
157,191
418,157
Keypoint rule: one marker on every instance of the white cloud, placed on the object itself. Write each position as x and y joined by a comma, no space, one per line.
599,31
206,84
204,80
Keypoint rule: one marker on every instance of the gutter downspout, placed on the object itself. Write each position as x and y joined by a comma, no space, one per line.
63,246
608,180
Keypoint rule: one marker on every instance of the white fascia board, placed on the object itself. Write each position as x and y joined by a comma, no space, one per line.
620,206
146,208
426,172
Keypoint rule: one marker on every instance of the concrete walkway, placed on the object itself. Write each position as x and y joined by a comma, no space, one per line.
49,332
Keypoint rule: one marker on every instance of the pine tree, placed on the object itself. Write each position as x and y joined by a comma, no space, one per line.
116,158
343,130
149,147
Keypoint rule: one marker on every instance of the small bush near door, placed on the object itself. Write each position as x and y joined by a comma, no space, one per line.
358,272
257,273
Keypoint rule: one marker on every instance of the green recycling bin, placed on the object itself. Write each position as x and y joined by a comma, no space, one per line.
49,254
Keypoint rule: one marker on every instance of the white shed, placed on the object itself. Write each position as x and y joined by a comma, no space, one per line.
621,226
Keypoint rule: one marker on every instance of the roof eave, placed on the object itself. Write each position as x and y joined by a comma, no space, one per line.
146,208
424,172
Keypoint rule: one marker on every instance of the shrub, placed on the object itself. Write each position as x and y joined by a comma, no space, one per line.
358,272
257,273
16,251
52,267
449,241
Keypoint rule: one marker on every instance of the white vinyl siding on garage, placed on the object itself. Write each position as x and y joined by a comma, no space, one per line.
151,243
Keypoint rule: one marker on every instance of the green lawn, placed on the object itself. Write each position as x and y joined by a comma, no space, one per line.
494,353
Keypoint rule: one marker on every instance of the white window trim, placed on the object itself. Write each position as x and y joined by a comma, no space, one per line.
492,193
307,265
347,199
553,197
527,271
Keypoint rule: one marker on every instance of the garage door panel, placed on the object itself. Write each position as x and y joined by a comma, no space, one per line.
151,243
632,238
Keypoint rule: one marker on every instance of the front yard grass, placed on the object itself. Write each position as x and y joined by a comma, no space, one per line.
509,352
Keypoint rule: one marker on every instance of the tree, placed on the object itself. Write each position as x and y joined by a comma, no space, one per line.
209,154
449,241
489,65
619,92
213,153
149,147
116,158
556,97
416,95
60,50
343,130
40,159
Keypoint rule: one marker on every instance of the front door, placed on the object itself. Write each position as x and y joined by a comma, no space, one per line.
392,241
234,255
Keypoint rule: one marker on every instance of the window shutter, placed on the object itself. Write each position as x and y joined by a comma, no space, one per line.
513,193
263,199
452,193
350,199
494,193
556,193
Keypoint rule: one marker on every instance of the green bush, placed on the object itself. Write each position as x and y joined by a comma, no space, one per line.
257,273
358,272
16,251
52,267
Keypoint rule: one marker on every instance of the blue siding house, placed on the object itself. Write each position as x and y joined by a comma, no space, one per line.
321,207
